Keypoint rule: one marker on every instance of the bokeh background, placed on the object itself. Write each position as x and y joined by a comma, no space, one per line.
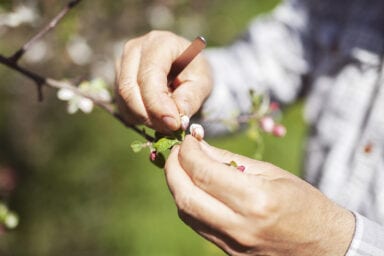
73,179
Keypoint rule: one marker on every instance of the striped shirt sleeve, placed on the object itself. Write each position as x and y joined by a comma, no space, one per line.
368,239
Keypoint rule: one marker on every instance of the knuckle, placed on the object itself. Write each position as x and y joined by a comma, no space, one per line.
156,34
262,206
145,73
130,44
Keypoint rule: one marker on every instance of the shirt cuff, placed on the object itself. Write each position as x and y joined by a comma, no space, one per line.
368,239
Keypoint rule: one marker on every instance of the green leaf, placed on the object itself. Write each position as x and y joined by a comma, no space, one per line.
165,143
232,163
137,146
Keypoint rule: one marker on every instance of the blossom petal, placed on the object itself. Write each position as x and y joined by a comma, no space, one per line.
104,95
65,94
72,107
86,105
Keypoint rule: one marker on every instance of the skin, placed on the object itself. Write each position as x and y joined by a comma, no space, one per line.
263,211
142,89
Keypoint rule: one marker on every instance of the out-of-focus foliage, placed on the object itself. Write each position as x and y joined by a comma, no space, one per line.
75,183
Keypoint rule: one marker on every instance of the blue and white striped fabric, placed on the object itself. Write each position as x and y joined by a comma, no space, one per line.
331,51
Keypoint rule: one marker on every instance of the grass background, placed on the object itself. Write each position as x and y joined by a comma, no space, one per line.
81,190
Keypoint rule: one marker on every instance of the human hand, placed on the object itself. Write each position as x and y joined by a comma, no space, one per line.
143,96
263,211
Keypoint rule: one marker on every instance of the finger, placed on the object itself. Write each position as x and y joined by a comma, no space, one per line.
152,77
194,202
219,180
193,86
127,84
252,166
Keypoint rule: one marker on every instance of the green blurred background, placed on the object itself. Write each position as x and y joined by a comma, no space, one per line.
76,185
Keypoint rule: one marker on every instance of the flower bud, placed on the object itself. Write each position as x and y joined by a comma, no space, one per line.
274,106
241,168
267,124
197,131
279,130
152,155
184,122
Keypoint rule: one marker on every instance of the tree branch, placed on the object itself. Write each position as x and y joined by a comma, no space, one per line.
40,81
51,25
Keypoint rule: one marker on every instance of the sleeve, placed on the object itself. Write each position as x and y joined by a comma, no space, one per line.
270,58
368,239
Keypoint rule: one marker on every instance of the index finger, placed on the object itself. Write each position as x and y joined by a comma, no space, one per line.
152,78
219,180
195,202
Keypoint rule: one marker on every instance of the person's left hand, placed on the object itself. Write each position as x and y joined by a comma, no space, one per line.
263,211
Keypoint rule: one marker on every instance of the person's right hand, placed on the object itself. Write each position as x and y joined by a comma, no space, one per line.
143,96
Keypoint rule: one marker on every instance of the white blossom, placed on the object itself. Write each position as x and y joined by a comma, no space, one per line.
79,51
38,52
22,14
96,89
160,16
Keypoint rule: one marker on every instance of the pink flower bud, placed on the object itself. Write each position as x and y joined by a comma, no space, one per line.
274,106
241,168
152,155
279,130
184,122
267,124
197,131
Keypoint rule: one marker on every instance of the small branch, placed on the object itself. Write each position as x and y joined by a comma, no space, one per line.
51,25
39,80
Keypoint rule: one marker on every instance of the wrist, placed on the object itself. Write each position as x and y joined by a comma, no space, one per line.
340,227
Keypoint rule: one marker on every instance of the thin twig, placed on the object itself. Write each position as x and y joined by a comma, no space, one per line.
51,25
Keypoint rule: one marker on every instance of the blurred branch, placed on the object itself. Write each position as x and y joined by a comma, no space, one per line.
40,81
51,25
12,61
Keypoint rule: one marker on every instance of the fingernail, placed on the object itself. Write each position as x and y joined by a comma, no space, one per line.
170,122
